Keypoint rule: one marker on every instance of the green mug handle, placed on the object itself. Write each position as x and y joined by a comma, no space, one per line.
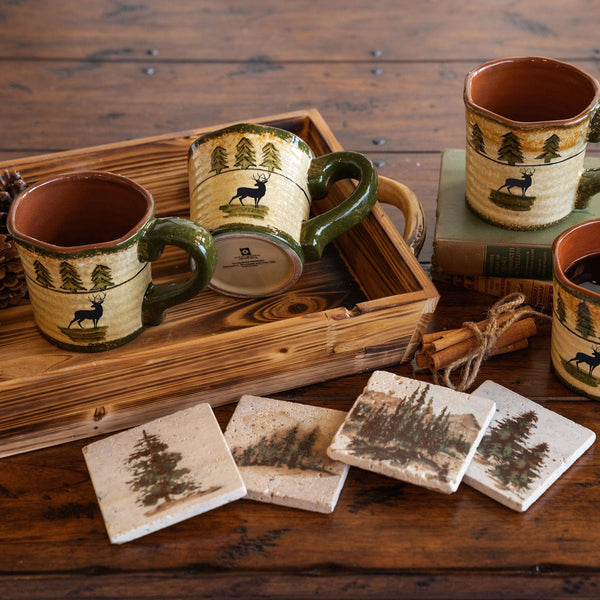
323,172
188,236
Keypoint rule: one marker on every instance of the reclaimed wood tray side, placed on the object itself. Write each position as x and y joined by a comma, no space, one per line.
364,305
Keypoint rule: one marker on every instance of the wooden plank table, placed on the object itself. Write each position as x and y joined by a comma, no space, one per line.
387,77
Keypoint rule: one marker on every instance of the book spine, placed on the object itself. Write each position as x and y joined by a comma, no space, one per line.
469,258
538,293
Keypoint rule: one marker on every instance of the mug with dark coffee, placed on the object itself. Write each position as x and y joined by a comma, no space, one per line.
576,311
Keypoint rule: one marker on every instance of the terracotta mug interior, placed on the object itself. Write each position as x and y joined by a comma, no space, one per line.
532,89
577,243
79,210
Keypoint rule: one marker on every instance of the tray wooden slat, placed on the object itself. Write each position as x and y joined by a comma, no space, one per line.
365,305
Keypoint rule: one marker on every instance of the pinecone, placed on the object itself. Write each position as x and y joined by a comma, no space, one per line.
10,185
13,288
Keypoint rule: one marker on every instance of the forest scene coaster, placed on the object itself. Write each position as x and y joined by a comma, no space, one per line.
525,449
281,451
161,473
414,431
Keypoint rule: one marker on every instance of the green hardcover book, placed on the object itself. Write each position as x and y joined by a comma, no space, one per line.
464,244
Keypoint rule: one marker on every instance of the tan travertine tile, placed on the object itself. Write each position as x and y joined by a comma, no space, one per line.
280,449
161,473
418,432
525,449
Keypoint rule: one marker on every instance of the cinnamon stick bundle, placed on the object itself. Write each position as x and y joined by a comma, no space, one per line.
441,349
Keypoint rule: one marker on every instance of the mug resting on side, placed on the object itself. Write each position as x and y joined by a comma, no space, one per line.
252,186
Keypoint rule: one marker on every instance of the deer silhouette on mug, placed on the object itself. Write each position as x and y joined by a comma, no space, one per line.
256,192
524,183
92,315
591,361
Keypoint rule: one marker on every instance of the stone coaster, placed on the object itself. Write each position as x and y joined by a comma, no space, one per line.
418,432
281,451
161,473
525,449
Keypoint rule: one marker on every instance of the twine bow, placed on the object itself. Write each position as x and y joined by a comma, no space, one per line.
486,338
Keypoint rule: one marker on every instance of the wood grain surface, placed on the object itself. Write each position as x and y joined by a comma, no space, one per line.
364,306
387,77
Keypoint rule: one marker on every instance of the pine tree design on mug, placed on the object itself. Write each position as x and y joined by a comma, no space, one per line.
477,139
71,280
42,275
102,277
550,149
271,158
218,160
245,156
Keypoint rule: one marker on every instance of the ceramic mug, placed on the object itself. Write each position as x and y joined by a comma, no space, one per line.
576,308
86,240
252,186
528,121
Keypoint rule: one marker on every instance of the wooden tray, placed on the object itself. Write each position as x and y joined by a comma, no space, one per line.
364,305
